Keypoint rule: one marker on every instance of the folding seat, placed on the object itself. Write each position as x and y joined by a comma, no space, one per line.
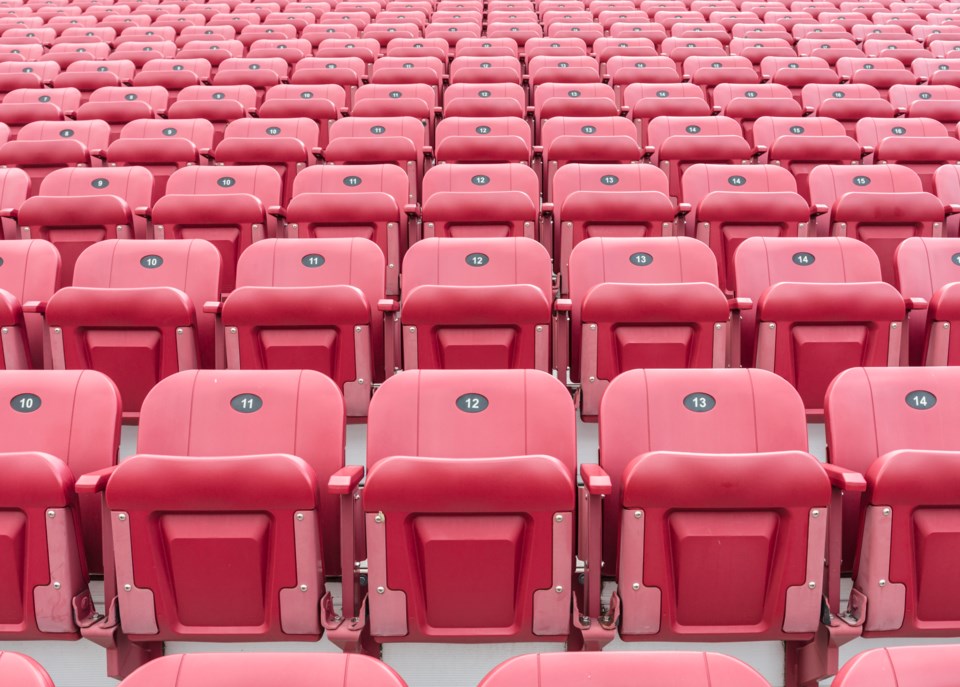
220,105
56,427
261,73
847,20
90,75
880,205
16,75
346,72
641,303
919,143
788,20
67,53
586,139
756,49
880,72
481,47
904,50
275,35
846,103
936,102
418,47
937,71
638,29
14,189
407,17
799,144
243,434
17,669
480,200
550,69
483,139
27,36
726,204
700,29
486,70
311,304
679,49
829,49
864,31
141,53
484,100
397,100
321,30
358,19
162,147
452,33
895,426
931,665
290,50
404,70
622,72
946,183
825,33
118,105
928,34
29,273
927,271
517,31
384,33
213,51
819,308
229,207
367,49
573,100
644,101
201,32
377,140
249,669
42,147
514,446
677,143
690,668
607,48
25,105
943,49
174,75
731,19
21,53
795,73
746,103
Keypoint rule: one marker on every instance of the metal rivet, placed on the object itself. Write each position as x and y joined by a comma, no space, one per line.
815,513
56,585
378,517
356,497
4,330
56,330
636,586
893,325
127,587
233,330
638,514
772,325
882,583
299,516
558,589
558,517
122,517
593,326
380,590
539,328
359,381
946,325
303,587
357,329
717,325
413,330
391,266
51,514
593,379
179,331
886,511
812,584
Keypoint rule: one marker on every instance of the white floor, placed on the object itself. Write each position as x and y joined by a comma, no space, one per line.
81,664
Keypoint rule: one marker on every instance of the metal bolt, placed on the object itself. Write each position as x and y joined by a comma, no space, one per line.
391,266
539,328
4,330
893,325
378,518
51,514
638,514
636,586
303,587
356,497
717,325
56,330
179,331
299,516
812,584
127,587
413,330
558,517
233,330
882,583
356,329
593,379
122,517
946,325
380,590
815,513
593,326
558,589
772,325
56,585
886,511
359,381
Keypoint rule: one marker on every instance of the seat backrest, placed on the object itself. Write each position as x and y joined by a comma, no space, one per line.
252,669
901,666
94,134
617,669
198,66
662,128
198,131
67,99
829,183
305,130
73,415
692,411
247,412
332,92
872,130
244,94
132,184
256,180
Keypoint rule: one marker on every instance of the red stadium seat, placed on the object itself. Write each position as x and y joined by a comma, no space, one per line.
937,102
310,304
484,100
846,103
748,102
483,139
218,104
553,69
174,75
902,666
928,270
26,105
118,105
644,101
89,75
322,103
19,670
797,72
919,143
14,189
29,273
819,308
641,303
573,100
477,303
946,182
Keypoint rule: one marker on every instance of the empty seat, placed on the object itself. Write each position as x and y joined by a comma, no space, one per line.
29,273
592,200
935,102
692,669
800,144
480,200
243,469
573,100
90,75
162,147
135,313
228,206
397,100
484,100
797,72
707,72
477,303
213,51
14,188
895,427
19,670
362,201
748,102
919,143
553,69
725,204
819,308
640,303
623,71
483,139
26,105
644,101
928,270
935,71
880,72
260,72
310,304
217,104
946,182
118,105
486,70
846,103
932,665
173,74
399,70
677,143
586,139
251,669
480,511
14,75
880,205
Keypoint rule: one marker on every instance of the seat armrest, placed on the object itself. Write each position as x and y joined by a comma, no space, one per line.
866,150
317,152
98,153
277,211
916,303
546,209
345,480
35,307
596,480
142,211
683,208
538,150
10,213
428,151
411,209
207,153
388,305
563,305
94,482
213,307
818,209
759,150
949,208
841,478
740,303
